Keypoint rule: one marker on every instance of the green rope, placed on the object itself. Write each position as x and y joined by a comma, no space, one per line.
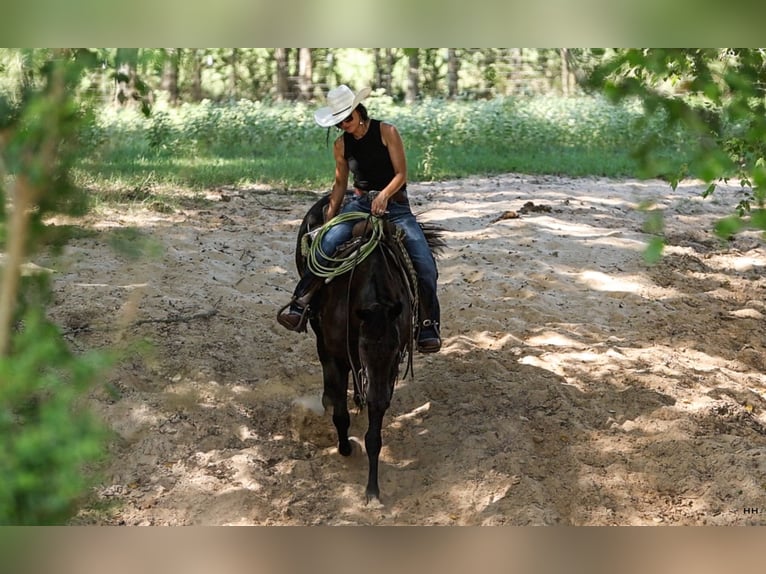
341,265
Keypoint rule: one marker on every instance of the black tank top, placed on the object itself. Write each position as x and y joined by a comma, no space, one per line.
368,159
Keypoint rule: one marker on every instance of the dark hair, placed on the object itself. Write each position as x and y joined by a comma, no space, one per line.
362,114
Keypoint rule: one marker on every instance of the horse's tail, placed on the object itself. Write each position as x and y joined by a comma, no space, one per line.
434,236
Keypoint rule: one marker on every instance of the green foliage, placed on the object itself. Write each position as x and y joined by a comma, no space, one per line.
718,97
48,437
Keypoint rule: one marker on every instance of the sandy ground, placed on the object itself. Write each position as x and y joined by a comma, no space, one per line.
576,385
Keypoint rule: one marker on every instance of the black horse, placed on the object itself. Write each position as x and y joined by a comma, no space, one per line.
363,321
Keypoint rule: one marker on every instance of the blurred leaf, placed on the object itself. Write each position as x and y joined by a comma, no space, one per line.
653,251
758,219
759,176
132,244
729,226
654,222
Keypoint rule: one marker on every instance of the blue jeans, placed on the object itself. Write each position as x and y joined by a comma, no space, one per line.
414,241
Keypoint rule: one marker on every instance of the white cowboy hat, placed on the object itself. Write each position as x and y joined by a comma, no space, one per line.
341,102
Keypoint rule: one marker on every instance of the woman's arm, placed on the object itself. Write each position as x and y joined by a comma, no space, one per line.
341,180
393,141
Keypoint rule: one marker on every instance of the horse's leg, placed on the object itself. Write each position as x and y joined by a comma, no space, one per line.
335,394
373,442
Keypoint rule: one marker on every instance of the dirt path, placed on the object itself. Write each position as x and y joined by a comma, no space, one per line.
577,385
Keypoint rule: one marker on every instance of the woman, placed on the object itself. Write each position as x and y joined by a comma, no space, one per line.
373,152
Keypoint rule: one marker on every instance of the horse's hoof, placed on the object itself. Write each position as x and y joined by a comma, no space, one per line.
373,500
345,449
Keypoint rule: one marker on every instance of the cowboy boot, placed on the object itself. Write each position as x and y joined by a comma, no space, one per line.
429,338
294,315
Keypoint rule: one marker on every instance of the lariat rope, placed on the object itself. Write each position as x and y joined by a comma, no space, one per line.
340,265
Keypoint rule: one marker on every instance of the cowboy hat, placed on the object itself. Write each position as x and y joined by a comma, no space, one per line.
341,102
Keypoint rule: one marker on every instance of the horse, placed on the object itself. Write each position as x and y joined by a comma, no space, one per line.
364,323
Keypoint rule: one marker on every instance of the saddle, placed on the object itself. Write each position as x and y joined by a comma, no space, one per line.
391,238
385,233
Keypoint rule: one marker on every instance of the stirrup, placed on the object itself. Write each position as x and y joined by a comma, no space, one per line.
300,326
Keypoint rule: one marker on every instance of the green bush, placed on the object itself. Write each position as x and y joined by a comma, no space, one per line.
49,439
210,144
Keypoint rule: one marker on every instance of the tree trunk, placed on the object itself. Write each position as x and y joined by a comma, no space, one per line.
196,75
282,84
305,74
564,72
233,76
489,72
377,55
384,63
170,73
413,75
453,66
388,84
123,88
292,78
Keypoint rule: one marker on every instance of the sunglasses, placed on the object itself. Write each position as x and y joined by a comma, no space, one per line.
339,125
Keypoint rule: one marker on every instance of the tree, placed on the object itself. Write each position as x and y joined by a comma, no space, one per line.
233,76
282,80
305,74
384,59
380,67
170,73
453,66
124,78
129,86
565,75
431,71
413,75
195,63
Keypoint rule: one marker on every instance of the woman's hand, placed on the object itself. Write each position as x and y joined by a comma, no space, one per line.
379,205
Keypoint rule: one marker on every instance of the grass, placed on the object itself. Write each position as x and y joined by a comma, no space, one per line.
243,143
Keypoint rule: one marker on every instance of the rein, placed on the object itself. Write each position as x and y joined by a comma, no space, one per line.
360,378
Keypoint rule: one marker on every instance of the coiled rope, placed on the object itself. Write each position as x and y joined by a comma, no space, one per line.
340,265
